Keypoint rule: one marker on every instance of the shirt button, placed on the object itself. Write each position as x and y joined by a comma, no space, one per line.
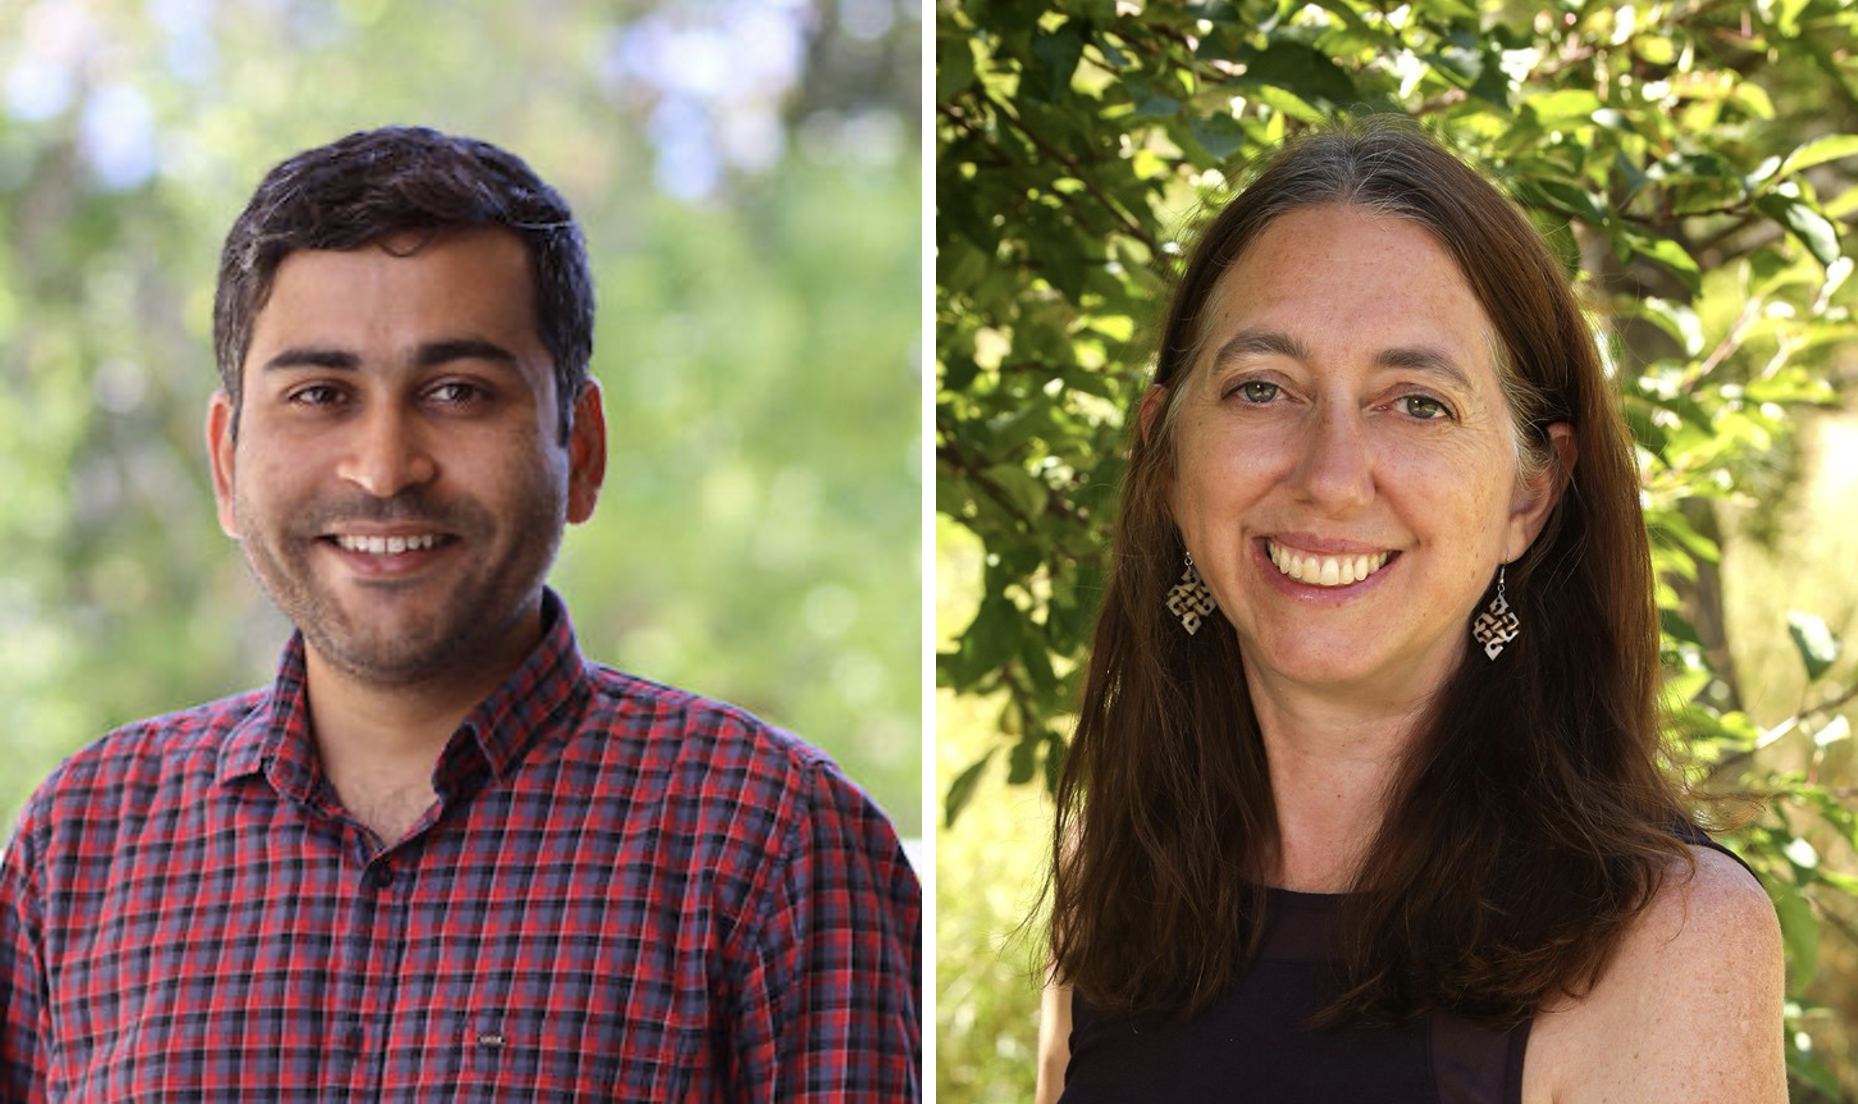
382,877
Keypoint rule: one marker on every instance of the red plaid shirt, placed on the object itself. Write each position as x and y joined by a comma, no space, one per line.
623,892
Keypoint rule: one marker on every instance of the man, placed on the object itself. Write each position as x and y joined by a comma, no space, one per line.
442,857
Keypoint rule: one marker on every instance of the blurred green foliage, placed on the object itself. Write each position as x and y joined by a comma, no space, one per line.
1691,163
749,180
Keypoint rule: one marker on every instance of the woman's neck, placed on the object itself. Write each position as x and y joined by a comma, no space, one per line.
1332,764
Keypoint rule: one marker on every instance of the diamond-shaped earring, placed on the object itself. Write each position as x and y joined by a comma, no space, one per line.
1189,599
1496,623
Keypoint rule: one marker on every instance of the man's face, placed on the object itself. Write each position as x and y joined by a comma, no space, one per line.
398,480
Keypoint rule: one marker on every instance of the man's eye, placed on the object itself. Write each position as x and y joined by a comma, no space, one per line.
1424,407
316,394
1257,391
456,393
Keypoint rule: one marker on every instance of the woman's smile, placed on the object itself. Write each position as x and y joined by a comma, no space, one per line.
1321,570
1346,473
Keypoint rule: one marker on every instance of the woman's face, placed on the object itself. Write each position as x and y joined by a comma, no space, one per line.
1346,473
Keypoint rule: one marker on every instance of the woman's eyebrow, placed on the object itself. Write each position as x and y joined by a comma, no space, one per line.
1259,343
1247,344
1427,361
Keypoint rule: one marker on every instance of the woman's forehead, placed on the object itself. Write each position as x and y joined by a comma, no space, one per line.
1323,279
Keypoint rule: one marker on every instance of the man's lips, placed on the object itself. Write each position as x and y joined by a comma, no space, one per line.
388,544
392,555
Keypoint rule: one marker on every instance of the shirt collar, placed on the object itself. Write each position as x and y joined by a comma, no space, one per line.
274,738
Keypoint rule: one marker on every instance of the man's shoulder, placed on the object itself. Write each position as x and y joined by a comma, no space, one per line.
701,755
669,720
163,750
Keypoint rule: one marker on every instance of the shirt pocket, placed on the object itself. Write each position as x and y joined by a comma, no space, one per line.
527,1053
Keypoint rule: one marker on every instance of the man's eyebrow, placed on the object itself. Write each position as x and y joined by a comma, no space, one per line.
426,356
304,357
1260,343
464,348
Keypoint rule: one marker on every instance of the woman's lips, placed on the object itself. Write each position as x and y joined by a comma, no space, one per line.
1316,569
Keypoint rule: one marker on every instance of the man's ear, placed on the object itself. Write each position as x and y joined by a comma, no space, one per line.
1536,498
586,453
220,415
1154,404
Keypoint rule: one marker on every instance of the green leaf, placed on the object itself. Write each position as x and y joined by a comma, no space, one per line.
954,66
1677,319
993,637
1813,229
1818,152
1023,763
1566,197
1023,490
1674,257
1148,101
1677,532
1221,134
1566,105
1818,645
1799,933
961,790
1298,69
1677,628
1055,55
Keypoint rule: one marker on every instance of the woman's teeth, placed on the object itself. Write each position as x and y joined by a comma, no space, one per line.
1327,571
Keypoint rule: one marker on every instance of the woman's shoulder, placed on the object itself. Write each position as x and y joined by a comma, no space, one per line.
1689,1008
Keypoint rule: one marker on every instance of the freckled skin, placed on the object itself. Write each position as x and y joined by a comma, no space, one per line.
1344,449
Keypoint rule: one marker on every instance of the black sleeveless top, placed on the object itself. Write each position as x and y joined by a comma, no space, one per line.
1253,1043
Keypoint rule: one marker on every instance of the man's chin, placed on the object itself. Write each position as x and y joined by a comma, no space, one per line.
397,664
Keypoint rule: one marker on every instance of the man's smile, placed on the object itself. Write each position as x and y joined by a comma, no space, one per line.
389,546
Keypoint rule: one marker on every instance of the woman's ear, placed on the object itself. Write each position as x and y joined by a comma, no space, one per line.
1154,404
1536,498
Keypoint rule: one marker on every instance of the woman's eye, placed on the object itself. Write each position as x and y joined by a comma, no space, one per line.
1256,391
1424,407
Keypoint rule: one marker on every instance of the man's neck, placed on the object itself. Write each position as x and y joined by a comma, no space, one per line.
379,744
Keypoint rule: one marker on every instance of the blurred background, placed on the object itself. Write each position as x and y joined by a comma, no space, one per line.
748,176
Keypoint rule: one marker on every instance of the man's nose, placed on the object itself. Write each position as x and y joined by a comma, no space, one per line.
387,452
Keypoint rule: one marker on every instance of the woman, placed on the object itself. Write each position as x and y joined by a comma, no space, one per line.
1365,801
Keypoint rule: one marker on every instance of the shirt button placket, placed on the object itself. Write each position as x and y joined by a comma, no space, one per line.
382,922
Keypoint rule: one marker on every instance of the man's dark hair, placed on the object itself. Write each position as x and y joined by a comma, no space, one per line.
375,183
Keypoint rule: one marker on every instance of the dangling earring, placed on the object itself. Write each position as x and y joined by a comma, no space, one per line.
1496,625
1189,599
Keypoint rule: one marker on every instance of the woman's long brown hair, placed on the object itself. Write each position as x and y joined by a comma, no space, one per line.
1533,817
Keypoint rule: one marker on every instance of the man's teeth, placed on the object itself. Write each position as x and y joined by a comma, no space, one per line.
387,546
1326,571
